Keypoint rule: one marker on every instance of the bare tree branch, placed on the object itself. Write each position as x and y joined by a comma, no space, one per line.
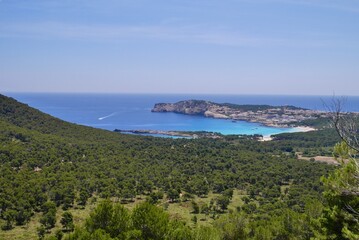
345,123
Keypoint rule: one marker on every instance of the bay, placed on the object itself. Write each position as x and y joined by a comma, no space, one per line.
133,111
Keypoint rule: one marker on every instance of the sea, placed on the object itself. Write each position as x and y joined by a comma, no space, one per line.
133,111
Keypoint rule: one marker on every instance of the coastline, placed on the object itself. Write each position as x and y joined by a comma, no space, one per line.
202,134
304,129
297,129
181,134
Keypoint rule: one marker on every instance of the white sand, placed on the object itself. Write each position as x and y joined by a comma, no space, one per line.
304,129
296,129
266,138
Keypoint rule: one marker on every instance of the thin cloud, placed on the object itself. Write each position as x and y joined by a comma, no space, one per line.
186,34
334,5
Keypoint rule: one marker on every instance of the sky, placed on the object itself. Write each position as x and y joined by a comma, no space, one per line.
300,47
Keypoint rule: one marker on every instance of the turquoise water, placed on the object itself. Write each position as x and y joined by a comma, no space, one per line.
133,111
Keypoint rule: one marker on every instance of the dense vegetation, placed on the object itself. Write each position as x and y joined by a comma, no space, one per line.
48,165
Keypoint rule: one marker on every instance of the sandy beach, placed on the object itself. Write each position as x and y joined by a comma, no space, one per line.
296,129
304,129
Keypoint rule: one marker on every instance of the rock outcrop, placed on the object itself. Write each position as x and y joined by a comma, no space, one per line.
191,107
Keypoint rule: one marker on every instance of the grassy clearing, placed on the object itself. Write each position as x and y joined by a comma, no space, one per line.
25,232
184,210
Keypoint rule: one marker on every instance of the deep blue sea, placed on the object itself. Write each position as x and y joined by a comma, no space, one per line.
133,111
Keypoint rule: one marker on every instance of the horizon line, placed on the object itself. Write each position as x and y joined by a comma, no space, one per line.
172,93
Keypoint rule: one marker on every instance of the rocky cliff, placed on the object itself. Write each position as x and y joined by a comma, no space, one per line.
192,107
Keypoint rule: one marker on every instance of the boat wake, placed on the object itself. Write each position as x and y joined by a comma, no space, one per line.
102,118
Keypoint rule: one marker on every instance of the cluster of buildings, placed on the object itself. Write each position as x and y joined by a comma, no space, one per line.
276,116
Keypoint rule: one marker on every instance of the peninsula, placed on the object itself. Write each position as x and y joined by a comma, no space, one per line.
274,116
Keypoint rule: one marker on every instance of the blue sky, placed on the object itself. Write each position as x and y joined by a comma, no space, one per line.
180,46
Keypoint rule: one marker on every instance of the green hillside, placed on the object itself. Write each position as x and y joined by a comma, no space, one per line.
47,163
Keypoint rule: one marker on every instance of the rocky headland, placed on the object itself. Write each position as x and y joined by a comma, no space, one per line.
274,116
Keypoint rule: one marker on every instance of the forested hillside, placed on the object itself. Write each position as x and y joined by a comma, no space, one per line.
48,166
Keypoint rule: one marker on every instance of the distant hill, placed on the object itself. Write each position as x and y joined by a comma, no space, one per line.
24,116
